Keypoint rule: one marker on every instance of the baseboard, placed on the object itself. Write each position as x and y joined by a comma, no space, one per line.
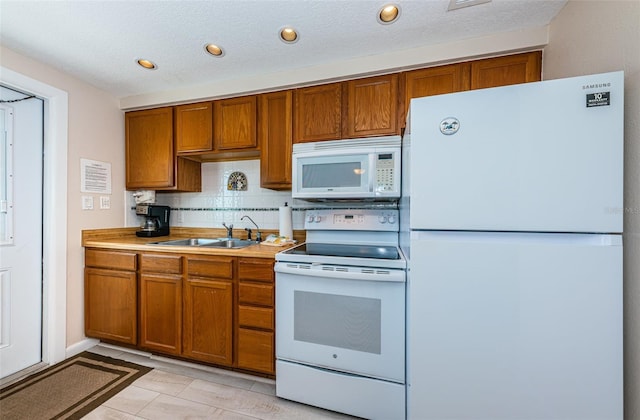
81,346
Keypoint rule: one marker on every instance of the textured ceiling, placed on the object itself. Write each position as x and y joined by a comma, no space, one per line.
99,41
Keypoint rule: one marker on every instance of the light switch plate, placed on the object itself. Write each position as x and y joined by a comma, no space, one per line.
105,202
87,202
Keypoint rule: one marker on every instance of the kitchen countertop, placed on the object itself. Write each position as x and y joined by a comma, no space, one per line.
126,239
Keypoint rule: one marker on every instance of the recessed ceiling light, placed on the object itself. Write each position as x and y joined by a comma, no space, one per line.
149,65
389,14
214,50
288,35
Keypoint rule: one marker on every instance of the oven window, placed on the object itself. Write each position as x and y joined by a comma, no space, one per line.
347,322
332,175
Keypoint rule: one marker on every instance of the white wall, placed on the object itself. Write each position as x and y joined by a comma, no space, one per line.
95,131
593,37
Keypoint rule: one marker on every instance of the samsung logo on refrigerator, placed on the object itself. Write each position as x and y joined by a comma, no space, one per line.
596,86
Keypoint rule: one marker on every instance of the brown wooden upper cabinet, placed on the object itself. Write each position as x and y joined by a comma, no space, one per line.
507,70
194,127
372,107
357,108
275,136
435,81
486,73
317,113
235,124
151,161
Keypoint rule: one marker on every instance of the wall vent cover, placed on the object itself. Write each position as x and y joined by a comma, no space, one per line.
459,4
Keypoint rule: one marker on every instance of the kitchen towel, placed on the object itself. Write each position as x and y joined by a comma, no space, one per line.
285,223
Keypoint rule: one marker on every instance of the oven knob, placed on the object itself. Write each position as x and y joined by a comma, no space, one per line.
310,218
382,219
318,219
392,219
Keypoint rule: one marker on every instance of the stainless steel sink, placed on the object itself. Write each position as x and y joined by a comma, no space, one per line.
209,242
231,243
187,242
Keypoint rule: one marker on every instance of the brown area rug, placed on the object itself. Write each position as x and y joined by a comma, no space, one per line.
69,389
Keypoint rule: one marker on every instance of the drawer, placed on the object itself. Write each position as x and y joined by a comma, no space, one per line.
251,316
255,293
256,350
257,269
218,267
110,259
171,264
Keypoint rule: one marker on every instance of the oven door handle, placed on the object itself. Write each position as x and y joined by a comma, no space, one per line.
335,272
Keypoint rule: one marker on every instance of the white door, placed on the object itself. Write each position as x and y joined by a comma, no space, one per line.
514,326
21,241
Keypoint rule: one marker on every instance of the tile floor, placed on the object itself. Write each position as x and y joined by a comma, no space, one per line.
173,390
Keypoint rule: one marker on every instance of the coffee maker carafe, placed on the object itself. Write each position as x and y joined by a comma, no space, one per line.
156,220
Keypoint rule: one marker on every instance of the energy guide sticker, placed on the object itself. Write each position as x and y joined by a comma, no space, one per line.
598,99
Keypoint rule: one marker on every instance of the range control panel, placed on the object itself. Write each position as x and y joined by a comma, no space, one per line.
352,219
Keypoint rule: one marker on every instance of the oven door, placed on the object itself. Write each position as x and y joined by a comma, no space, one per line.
341,318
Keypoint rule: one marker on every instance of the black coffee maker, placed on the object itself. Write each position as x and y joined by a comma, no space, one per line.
156,220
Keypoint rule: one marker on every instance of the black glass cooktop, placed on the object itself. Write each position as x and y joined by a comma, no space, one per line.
339,250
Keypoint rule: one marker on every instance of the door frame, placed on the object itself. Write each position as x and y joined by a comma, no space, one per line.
54,202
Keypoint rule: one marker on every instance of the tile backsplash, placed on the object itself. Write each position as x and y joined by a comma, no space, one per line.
215,204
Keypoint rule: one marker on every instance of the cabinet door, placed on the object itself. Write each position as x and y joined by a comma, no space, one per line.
508,70
275,133
149,148
208,320
194,127
435,81
317,113
110,299
161,312
372,107
256,350
235,123
151,162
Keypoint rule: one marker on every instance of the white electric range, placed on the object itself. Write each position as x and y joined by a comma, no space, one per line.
340,298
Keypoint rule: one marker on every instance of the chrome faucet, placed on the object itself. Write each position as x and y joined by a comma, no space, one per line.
258,234
229,229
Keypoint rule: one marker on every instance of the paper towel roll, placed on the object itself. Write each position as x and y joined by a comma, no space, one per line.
285,223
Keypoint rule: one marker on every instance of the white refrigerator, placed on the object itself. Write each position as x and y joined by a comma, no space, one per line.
511,222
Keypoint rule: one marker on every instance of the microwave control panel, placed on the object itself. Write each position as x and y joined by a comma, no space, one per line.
385,172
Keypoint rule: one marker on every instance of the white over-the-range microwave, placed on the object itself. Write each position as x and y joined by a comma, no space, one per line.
353,169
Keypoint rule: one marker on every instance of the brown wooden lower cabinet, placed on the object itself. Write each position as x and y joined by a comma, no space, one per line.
110,296
208,309
208,320
110,305
256,315
160,303
213,309
161,313
256,350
